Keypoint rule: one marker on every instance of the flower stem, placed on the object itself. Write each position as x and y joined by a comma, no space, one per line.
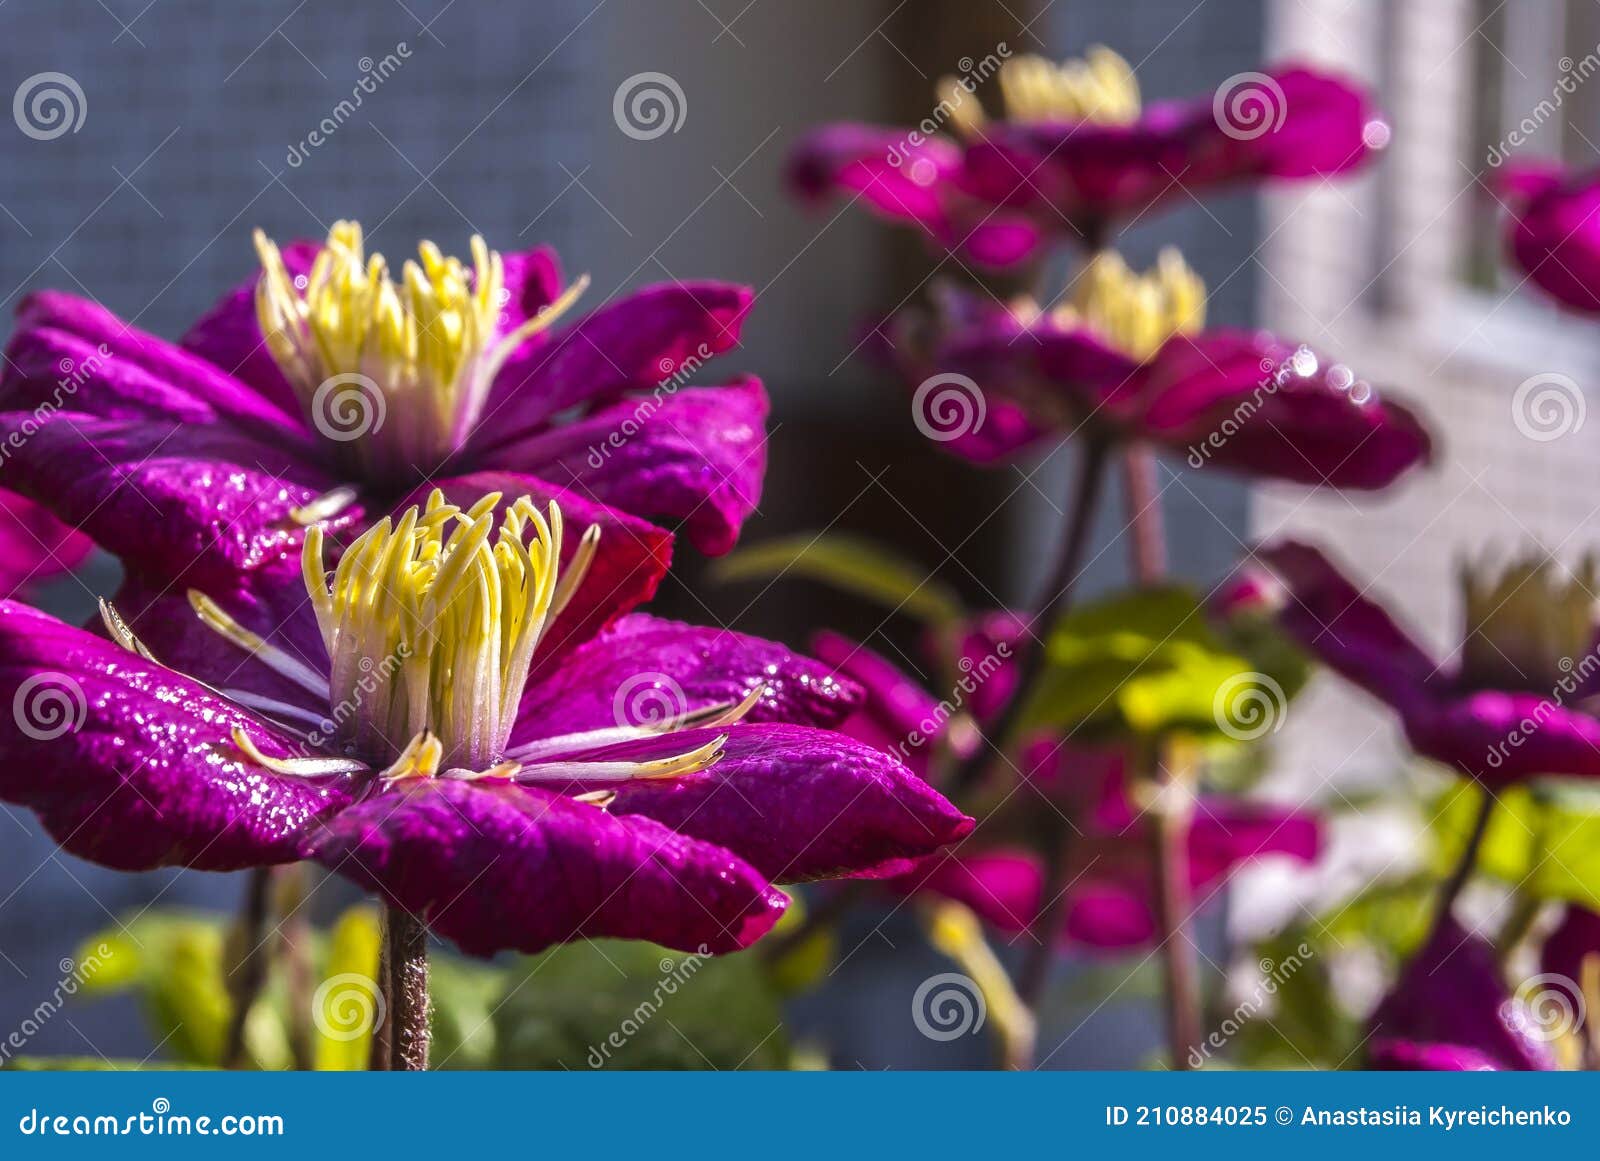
1140,481
1035,969
1169,858
1464,865
249,972
406,953
1053,600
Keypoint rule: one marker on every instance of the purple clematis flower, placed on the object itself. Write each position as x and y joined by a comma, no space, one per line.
1518,702
1073,153
34,545
1450,1012
409,727
1553,232
323,390
1125,358
1111,904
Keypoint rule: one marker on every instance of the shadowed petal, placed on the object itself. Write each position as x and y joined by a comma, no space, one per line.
506,867
34,545
696,455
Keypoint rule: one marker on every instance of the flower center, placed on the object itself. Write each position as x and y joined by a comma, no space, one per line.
1136,313
1529,625
395,375
1100,88
431,622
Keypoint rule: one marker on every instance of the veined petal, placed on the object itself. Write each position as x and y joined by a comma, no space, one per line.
131,765
695,454
497,867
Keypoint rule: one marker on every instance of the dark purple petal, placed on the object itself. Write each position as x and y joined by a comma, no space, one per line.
633,344
1001,887
229,336
799,803
34,545
1333,621
631,560
1451,994
895,706
695,455
1076,177
505,867
1242,402
1501,738
130,765
1554,233
643,668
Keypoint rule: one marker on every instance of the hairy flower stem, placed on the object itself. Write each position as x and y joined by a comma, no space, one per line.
406,951
1053,600
249,970
1464,865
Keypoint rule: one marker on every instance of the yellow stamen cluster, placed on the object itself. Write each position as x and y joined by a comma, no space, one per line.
1528,624
1136,313
423,352
431,622
1100,88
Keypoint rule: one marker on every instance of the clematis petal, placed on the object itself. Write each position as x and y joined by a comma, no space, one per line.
634,344
1502,738
1331,618
798,803
508,867
229,334
1553,233
695,454
644,669
896,706
1001,886
1451,994
34,545
1253,404
130,765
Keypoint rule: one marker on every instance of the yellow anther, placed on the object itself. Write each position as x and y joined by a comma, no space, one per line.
396,374
1530,625
1135,313
1100,88
431,622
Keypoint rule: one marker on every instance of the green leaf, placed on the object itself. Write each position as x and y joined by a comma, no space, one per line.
1543,839
1145,663
346,998
849,563
629,1005
464,994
